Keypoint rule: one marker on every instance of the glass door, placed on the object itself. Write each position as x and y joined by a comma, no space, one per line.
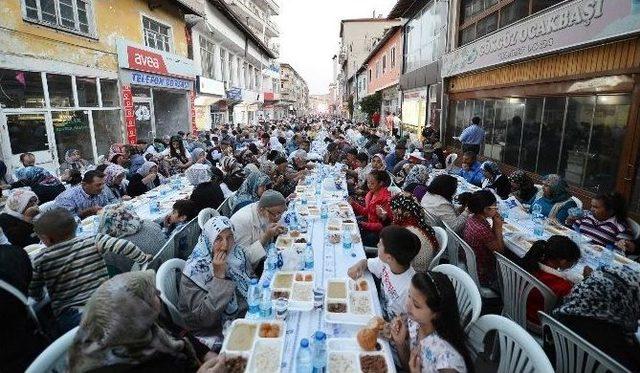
145,119
28,133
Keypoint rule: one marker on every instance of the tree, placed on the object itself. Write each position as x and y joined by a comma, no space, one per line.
370,104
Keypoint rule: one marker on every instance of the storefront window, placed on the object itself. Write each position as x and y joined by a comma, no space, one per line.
107,129
502,115
531,133
87,92
142,92
171,111
20,89
109,93
487,25
513,12
27,133
512,115
552,119
424,34
71,130
577,130
60,90
488,120
609,127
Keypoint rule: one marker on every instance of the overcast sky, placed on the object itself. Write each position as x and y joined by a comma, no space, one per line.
309,31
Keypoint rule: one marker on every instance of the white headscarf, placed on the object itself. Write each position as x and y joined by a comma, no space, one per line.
18,201
145,168
198,173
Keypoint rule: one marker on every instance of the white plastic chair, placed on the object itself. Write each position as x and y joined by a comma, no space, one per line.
54,358
517,284
574,354
433,220
167,283
22,298
443,240
450,160
635,227
225,207
186,239
205,215
577,201
519,351
467,293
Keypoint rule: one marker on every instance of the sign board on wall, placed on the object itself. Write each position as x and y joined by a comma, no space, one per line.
129,115
210,86
153,80
140,58
572,24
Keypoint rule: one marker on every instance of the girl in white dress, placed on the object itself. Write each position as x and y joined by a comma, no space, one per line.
431,339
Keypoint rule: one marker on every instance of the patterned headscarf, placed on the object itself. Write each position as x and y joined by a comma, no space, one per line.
559,188
195,153
112,172
119,221
119,326
229,165
145,168
419,174
407,211
35,175
198,173
381,157
18,201
525,184
491,167
248,191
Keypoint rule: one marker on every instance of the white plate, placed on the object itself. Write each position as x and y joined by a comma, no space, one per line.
348,317
250,353
296,305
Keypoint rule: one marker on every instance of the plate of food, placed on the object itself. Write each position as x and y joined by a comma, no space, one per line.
344,355
348,301
254,346
284,242
296,286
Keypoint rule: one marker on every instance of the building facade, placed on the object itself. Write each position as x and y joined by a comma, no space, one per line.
294,93
557,92
383,67
86,74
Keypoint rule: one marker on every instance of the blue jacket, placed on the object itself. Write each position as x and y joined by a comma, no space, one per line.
474,175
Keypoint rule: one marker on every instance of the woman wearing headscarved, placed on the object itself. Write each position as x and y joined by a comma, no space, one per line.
207,192
73,161
495,180
408,213
114,180
232,170
180,157
120,331
214,282
416,181
250,191
15,220
121,221
146,178
42,182
555,201
199,156
522,187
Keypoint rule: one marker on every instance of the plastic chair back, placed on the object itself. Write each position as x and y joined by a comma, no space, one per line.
443,240
577,201
452,248
450,160
205,215
467,293
186,239
574,354
165,253
433,220
517,284
225,207
635,227
54,358
519,351
167,283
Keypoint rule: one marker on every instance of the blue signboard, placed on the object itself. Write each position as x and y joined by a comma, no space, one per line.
153,80
234,93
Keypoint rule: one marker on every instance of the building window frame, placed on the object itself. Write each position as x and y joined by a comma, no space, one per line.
169,35
27,8
209,55
393,57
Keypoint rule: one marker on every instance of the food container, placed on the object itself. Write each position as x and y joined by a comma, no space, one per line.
284,242
258,344
296,286
356,308
344,355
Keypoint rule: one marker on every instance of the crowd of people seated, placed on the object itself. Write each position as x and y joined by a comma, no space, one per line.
396,185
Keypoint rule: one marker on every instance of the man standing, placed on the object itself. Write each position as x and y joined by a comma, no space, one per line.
375,118
472,137
396,125
388,121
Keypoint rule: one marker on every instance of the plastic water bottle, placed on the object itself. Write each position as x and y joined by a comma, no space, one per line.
538,225
154,204
346,241
78,226
272,258
606,258
308,257
304,359
253,299
324,211
319,352
536,209
265,303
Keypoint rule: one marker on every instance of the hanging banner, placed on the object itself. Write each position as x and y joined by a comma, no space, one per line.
192,103
129,115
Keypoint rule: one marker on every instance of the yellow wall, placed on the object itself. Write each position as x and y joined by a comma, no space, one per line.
112,18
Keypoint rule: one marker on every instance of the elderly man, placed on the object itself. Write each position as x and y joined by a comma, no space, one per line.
471,170
87,198
256,225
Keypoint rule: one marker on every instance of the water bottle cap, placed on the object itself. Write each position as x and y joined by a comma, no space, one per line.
304,342
265,285
254,281
320,336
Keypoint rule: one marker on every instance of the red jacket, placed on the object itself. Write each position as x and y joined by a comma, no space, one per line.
535,302
375,118
371,201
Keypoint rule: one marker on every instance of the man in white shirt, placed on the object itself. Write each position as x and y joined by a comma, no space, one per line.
396,125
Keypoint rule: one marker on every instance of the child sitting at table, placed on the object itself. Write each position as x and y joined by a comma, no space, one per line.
183,211
431,338
396,249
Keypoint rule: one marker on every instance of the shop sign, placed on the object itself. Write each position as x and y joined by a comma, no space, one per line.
572,24
153,80
210,86
129,114
234,93
140,58
192,106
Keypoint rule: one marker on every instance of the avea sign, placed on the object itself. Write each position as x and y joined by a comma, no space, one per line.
143,60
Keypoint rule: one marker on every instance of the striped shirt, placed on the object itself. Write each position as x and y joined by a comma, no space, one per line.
603,232
73,269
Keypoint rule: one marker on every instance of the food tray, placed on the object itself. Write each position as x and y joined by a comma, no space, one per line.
349,349
253,347
295,284
347,303
284,242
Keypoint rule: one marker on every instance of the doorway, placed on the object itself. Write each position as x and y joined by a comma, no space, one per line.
28,132
145,119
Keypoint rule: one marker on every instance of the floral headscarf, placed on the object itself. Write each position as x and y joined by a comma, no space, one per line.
198,173
419,174
229,165
119,326
559,188
525,184
412,213
18,201
35,175
119,221
491,167
146,167
248,191
112,172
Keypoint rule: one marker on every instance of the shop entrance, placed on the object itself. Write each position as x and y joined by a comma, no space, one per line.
28,132
145,121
